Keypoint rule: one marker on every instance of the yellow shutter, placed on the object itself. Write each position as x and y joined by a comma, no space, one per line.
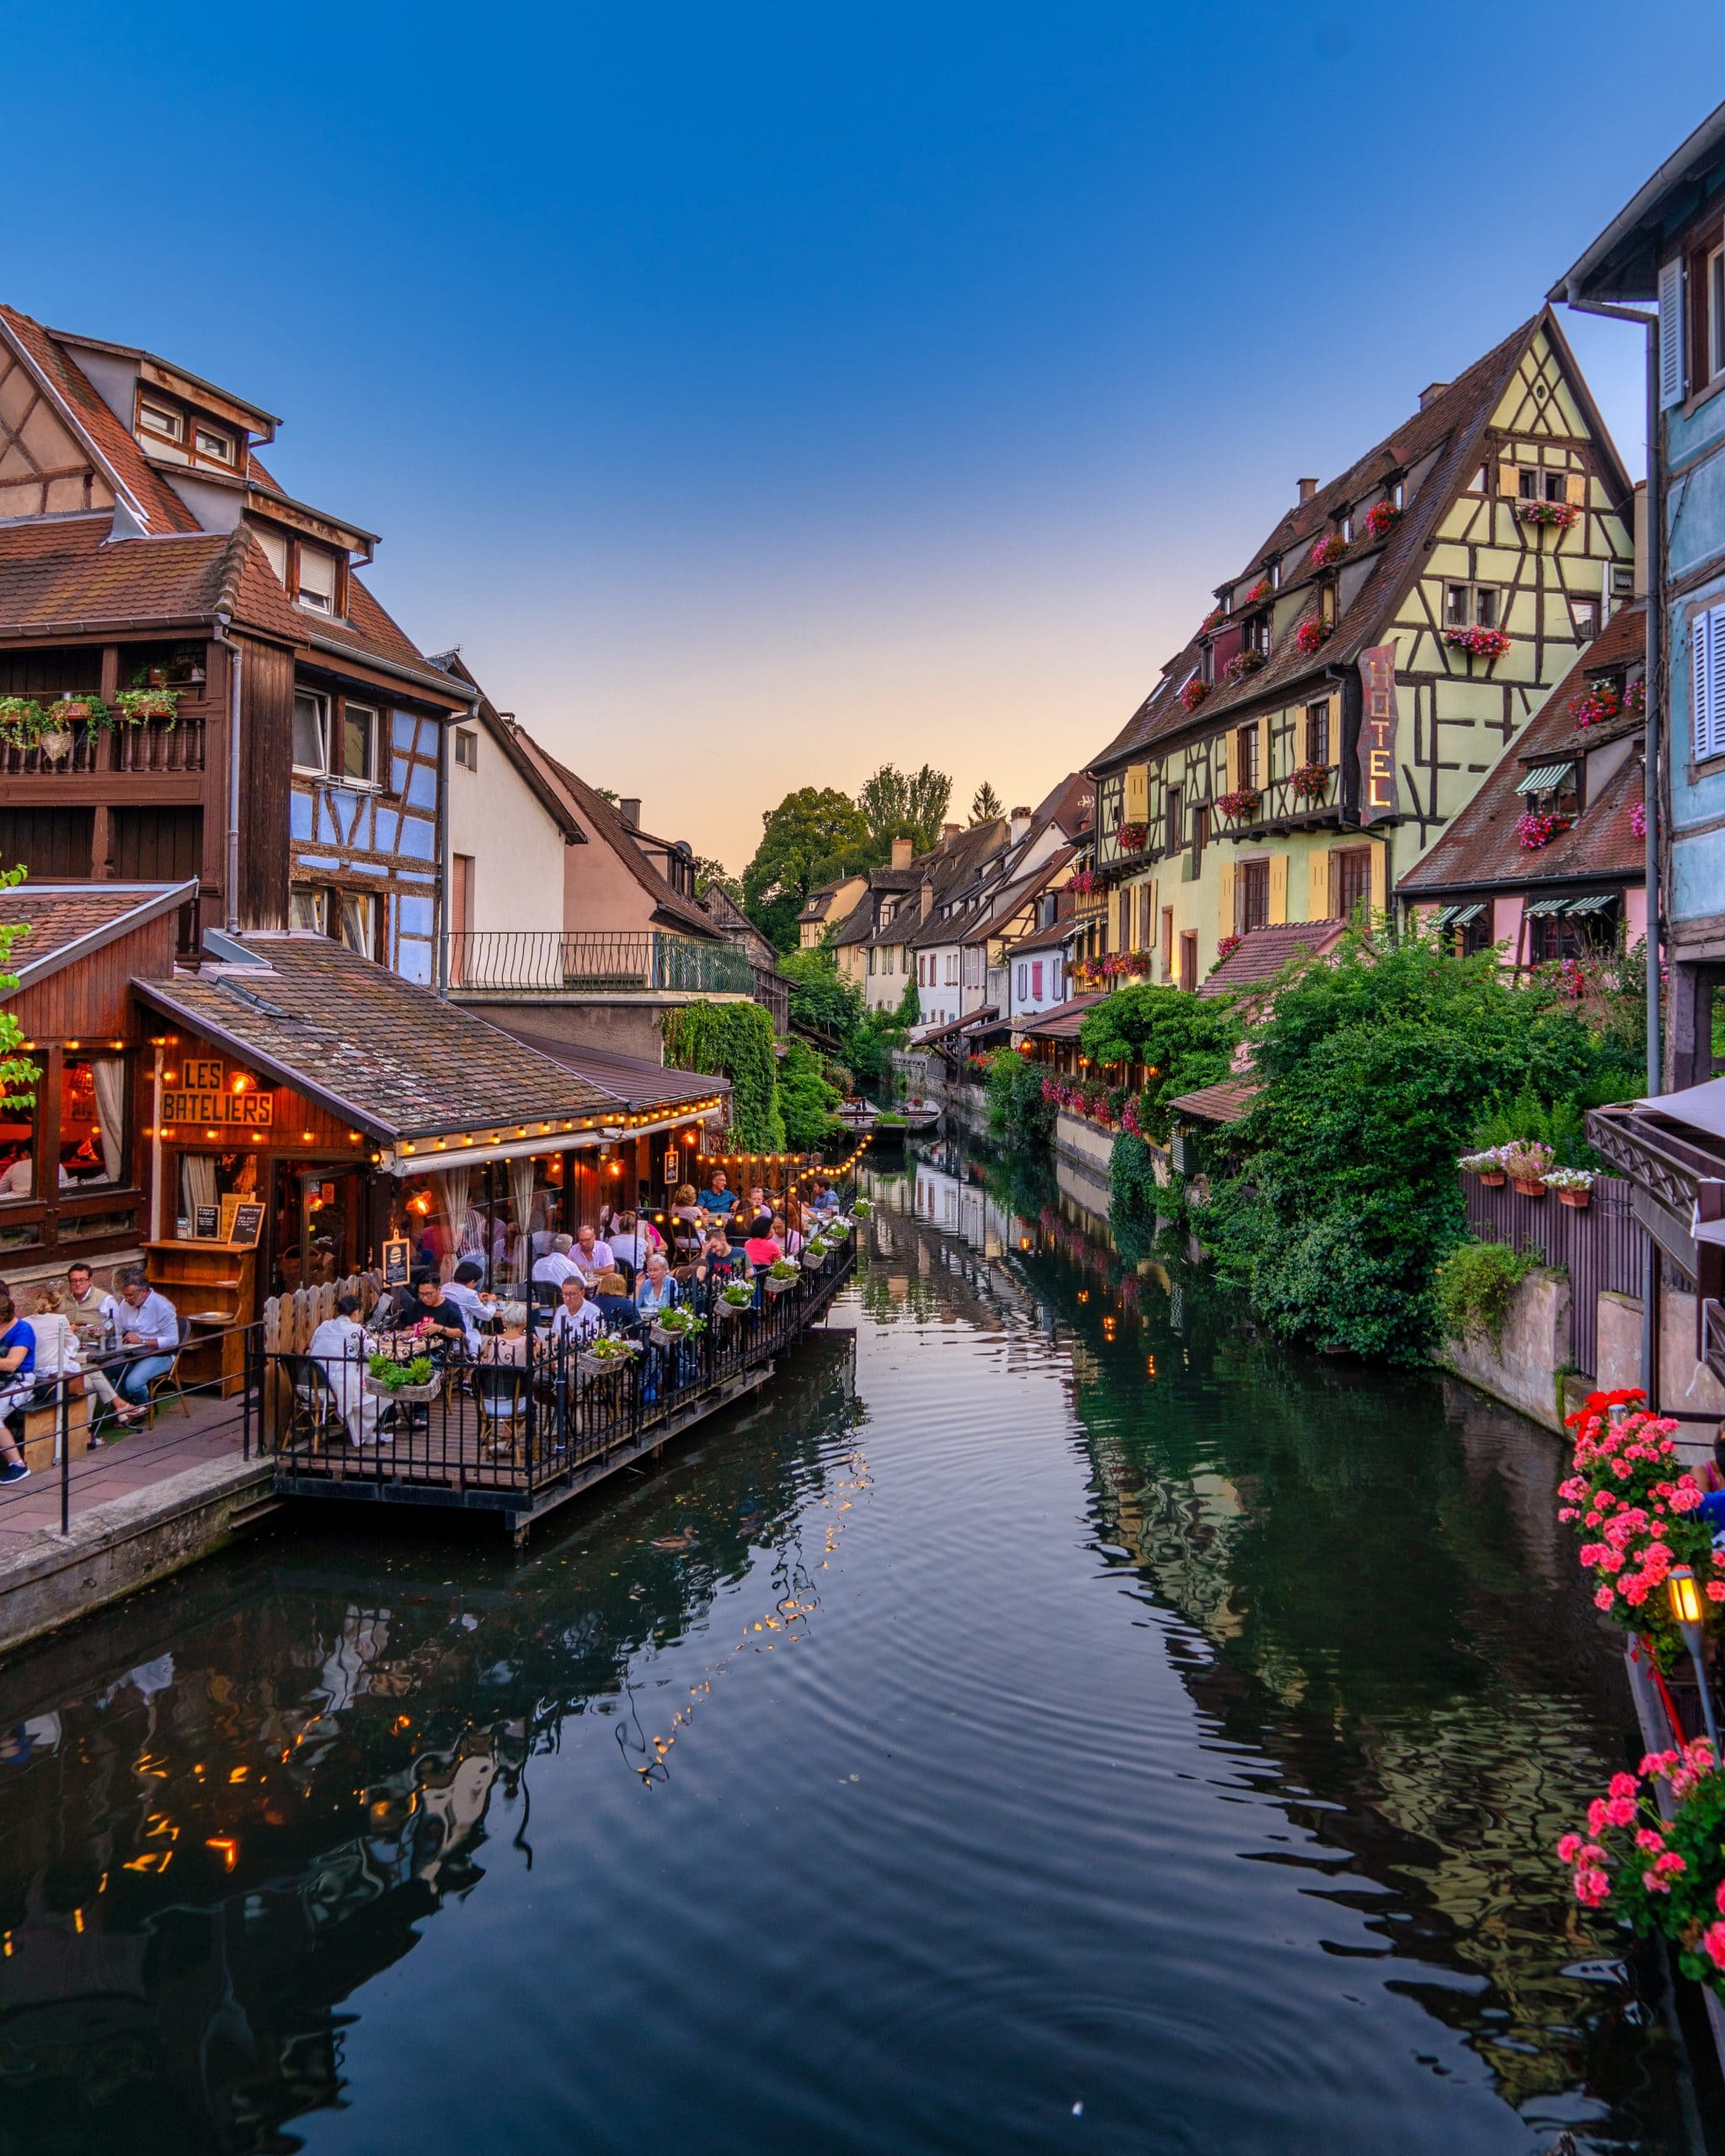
1263,752
1575,490
1381,878
1137,810
1509,482
1231,743
1318,900
1224,899
1279,888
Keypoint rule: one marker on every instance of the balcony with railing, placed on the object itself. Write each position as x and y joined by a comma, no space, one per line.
1311,796
594,963
157,746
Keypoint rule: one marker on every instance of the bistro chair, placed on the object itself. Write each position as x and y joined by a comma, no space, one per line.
501,1392
168,1382
317,1413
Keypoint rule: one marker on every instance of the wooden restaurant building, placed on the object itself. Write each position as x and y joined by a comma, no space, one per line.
339,1105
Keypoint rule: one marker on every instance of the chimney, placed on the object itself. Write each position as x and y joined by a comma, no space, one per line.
925,899
1019,824
901,853
630,810
1307,488
1432,391
950,830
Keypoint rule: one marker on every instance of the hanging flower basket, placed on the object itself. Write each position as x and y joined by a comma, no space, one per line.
1241,805
1527,1165
1574,1186
1381,520
1536,828
732,1299
1489,644
1552,516
1329,549
1084,882
72,710
1309,635
1488,1166
1194,694
606,1356
21,722
135,706
814,1254
782,1274
1130,837
672,1326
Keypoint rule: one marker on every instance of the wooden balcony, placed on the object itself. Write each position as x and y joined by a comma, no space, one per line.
157,748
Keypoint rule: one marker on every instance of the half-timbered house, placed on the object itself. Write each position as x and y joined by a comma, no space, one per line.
1357,679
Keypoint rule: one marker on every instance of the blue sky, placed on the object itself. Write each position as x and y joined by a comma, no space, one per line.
759,393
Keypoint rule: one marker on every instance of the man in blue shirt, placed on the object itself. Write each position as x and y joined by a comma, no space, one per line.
718,1200
148,1324
18,1359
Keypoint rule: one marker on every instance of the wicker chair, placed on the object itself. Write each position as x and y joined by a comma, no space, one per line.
501,1391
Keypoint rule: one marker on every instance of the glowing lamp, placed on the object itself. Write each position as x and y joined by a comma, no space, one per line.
1685,1597
1687,1608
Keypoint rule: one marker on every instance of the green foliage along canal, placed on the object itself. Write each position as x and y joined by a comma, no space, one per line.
1055,1719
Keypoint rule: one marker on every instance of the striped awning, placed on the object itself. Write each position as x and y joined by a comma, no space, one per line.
1463,915
1543,777
1597,903
1445,915
1545,905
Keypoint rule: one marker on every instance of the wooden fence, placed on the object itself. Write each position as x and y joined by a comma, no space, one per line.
290,1321
1602,1246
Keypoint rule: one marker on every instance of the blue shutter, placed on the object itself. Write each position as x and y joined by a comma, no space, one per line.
1707,641
1671,367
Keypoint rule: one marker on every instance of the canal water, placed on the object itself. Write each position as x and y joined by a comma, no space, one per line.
1055,1720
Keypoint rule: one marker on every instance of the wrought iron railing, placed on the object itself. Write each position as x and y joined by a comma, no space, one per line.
620,961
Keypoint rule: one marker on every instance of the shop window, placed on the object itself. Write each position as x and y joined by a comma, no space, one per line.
93,1121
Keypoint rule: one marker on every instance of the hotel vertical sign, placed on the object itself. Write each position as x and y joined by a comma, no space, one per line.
1378,721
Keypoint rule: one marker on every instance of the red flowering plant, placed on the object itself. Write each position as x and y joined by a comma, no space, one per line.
1260,593
1600,704
1659,1874
1309,635
1330,548
1637,1514
1478,643
1638,818
1537,827
1310,781
1214,619
1244,663
1240,804
1194,693
1226,946
1557,515
1381,519
1131,837
1084,881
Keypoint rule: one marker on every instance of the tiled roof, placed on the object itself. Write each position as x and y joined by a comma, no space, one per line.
371,1045
1009,897
1061,1023
1261,953
66,573
1225,1102
1451,426
632,1084
1480,845
64,921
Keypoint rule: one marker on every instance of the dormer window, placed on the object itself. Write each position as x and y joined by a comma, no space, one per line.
1348,527
1398,493
315,580
1275,574
160,419
209,443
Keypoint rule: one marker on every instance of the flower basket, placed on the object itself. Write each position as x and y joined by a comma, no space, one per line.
1536,828
1212,620
388,1378
605,1357
420,1395
1260,593
1226,946
1130,837
1556,516
1241,805
1529,1186
1381,520
776,1283
1309,782
1329,549
1309,635
728,1303
1574,1186
135,706
1579,1199
20,722
1244,663
1488,645
813,1256
1194,694
861,1208
55,742
1493,1178
666,1335
1527,1165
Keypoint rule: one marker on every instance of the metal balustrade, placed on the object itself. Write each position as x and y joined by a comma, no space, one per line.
637,962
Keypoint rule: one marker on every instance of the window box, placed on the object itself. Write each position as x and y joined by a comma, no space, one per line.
133,706
1309,782
1309,635
1241,805
1488,645
1381,520
1194,694
1328,550
1536,828
1242,663
1548,515
1130,837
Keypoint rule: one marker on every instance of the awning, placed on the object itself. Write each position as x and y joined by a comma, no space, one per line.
1545,905
1597,904
1463,915
1445,915
1543,777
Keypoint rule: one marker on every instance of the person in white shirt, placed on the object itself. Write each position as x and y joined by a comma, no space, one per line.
557,1265
591,1257
577,1322
339,1348
464,1289
148,1324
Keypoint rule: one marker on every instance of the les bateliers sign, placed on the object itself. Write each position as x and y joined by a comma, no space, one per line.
1378,720
204,1096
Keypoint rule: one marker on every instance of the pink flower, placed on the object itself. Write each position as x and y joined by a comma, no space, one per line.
1620,1812
1670,1861
1713,1939
1604,1599
1569,1847
1624,1785
1592,1890
1650,1838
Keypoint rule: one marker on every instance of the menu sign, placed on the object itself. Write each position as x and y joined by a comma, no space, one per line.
209,1222
247,1221
1378,722
395,1261
203,1094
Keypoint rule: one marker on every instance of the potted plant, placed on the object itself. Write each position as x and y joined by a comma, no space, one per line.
734,1298
1527,1163
861,1208
135,706
1536,828
1329,549
1212,620
784,1272
1556,516
1260,593
1240,804
1194,694
1130,837
1381,520
1244,663
1574,1186
815,1252
674,1325
1488,1166
1488,645
387,1377
1310,781
1310,635
20,722
607,1354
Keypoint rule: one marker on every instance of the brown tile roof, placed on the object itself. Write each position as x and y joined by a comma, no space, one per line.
67,574
1227,1101
371,1045
1480,846
1452,426
632,1084
1061,1023
1261,953
66,922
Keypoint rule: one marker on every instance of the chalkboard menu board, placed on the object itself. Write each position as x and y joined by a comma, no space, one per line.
395,1263
206,1222
247,1220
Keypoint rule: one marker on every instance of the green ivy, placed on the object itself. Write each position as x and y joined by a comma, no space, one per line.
734,1041
806,1101
1474,1286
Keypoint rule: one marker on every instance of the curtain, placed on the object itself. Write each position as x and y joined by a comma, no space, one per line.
520,1190
305,908
197,1183
453,1187
108,1074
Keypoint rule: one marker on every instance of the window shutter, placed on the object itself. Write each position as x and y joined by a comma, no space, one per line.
1707,637
1575,490
1137,794
1231,743
1224,899
1279,888
1380,879
1671,352
1317,906
1509,482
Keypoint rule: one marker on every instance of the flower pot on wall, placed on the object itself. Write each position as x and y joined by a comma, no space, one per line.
1493,1179
1529,1186
1580,1199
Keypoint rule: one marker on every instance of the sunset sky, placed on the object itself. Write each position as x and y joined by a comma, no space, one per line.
759,393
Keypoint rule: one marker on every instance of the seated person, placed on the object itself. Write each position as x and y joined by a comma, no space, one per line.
463,1287
762,1250
425,1303
339,1348
555,1266
89,1309
611,1299
148,1324
824,1198
656,1291
591,1256
754,1218
718,1201
17,1362
632,1241
577,1320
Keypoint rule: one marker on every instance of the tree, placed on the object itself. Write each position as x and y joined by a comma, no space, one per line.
896,805
814,836
985,804
708,873
1185,1041
822,998
806,1101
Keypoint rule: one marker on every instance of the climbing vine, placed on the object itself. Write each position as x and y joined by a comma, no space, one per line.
734,1041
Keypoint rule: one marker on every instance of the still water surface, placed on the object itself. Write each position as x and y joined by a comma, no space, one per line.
1055,1721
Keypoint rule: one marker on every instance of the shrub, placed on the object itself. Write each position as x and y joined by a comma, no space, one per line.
1474,1286
1185,1042
1016,1110
736,1041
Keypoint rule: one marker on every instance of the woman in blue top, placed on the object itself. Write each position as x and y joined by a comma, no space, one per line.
658,1291
18,1359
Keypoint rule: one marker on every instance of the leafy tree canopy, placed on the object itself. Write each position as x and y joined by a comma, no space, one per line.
897,804
1186,1041
814,835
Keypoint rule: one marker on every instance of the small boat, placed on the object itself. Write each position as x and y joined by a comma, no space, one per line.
918,1114
857,1115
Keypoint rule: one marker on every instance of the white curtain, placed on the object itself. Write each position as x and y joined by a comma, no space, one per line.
107,1073
453,1184
197,1183
521,1191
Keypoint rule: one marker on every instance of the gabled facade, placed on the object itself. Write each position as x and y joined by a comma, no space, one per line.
823,910
1370,663
293,760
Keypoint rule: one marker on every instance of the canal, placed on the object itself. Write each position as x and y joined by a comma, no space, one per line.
1055,1719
